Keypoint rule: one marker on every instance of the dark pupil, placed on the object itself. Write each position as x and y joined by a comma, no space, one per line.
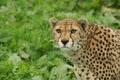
58,30
73,31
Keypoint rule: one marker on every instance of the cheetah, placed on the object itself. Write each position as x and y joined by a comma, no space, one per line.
93,49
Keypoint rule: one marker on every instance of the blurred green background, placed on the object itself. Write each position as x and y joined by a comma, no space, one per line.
27,48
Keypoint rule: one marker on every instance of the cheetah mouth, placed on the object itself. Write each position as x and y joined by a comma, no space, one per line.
65,48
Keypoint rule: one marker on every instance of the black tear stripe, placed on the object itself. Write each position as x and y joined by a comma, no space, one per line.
60,36
71,36
72,40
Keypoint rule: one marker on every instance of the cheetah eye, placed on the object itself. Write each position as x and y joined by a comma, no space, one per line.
73,31
58,30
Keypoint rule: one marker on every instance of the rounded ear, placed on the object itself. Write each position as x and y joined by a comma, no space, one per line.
83,23
53,22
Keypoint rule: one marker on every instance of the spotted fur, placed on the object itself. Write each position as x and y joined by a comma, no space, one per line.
93,49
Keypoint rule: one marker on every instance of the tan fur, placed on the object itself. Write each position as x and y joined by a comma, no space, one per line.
93,49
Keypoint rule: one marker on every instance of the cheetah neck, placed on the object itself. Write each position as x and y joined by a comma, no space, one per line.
74,55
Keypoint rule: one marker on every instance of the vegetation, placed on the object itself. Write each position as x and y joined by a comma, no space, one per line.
27,49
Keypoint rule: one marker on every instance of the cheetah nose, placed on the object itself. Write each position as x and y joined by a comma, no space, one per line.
64,41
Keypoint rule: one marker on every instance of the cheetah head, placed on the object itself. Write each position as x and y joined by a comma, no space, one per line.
69,33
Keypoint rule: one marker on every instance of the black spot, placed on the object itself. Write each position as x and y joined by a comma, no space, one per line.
87,57
97,62
87,61
97,45
101,47
97,65
99,54
87,73
103,54
92,43
96,73
105,33
108,30
112,36
100,36
98,58
98,49
101,50
109,43
88,78
84,66
82,70
93,48
105,78
78,58
101,27
103,58
82,61
108,36
95,79
100,62
84,51
103,43
103,71
106,45
105,38
100,72
104,65
98,32
100,42
95,39
83,57
105,49
80,75
90,59
108,49
112,40
95,52
112,44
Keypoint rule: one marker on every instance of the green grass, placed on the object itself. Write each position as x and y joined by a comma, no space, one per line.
27,49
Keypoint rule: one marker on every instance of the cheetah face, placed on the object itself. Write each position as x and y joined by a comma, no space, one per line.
68,33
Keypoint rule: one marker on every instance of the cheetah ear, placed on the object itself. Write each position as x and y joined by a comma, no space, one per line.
83,23
53,21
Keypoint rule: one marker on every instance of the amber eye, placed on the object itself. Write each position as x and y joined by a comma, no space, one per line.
73,31
58,30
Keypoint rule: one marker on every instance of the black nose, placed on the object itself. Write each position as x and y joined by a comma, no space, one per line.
64,41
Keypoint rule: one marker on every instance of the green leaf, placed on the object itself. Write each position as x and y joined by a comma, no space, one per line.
37,78
5,37
15,59
59,72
